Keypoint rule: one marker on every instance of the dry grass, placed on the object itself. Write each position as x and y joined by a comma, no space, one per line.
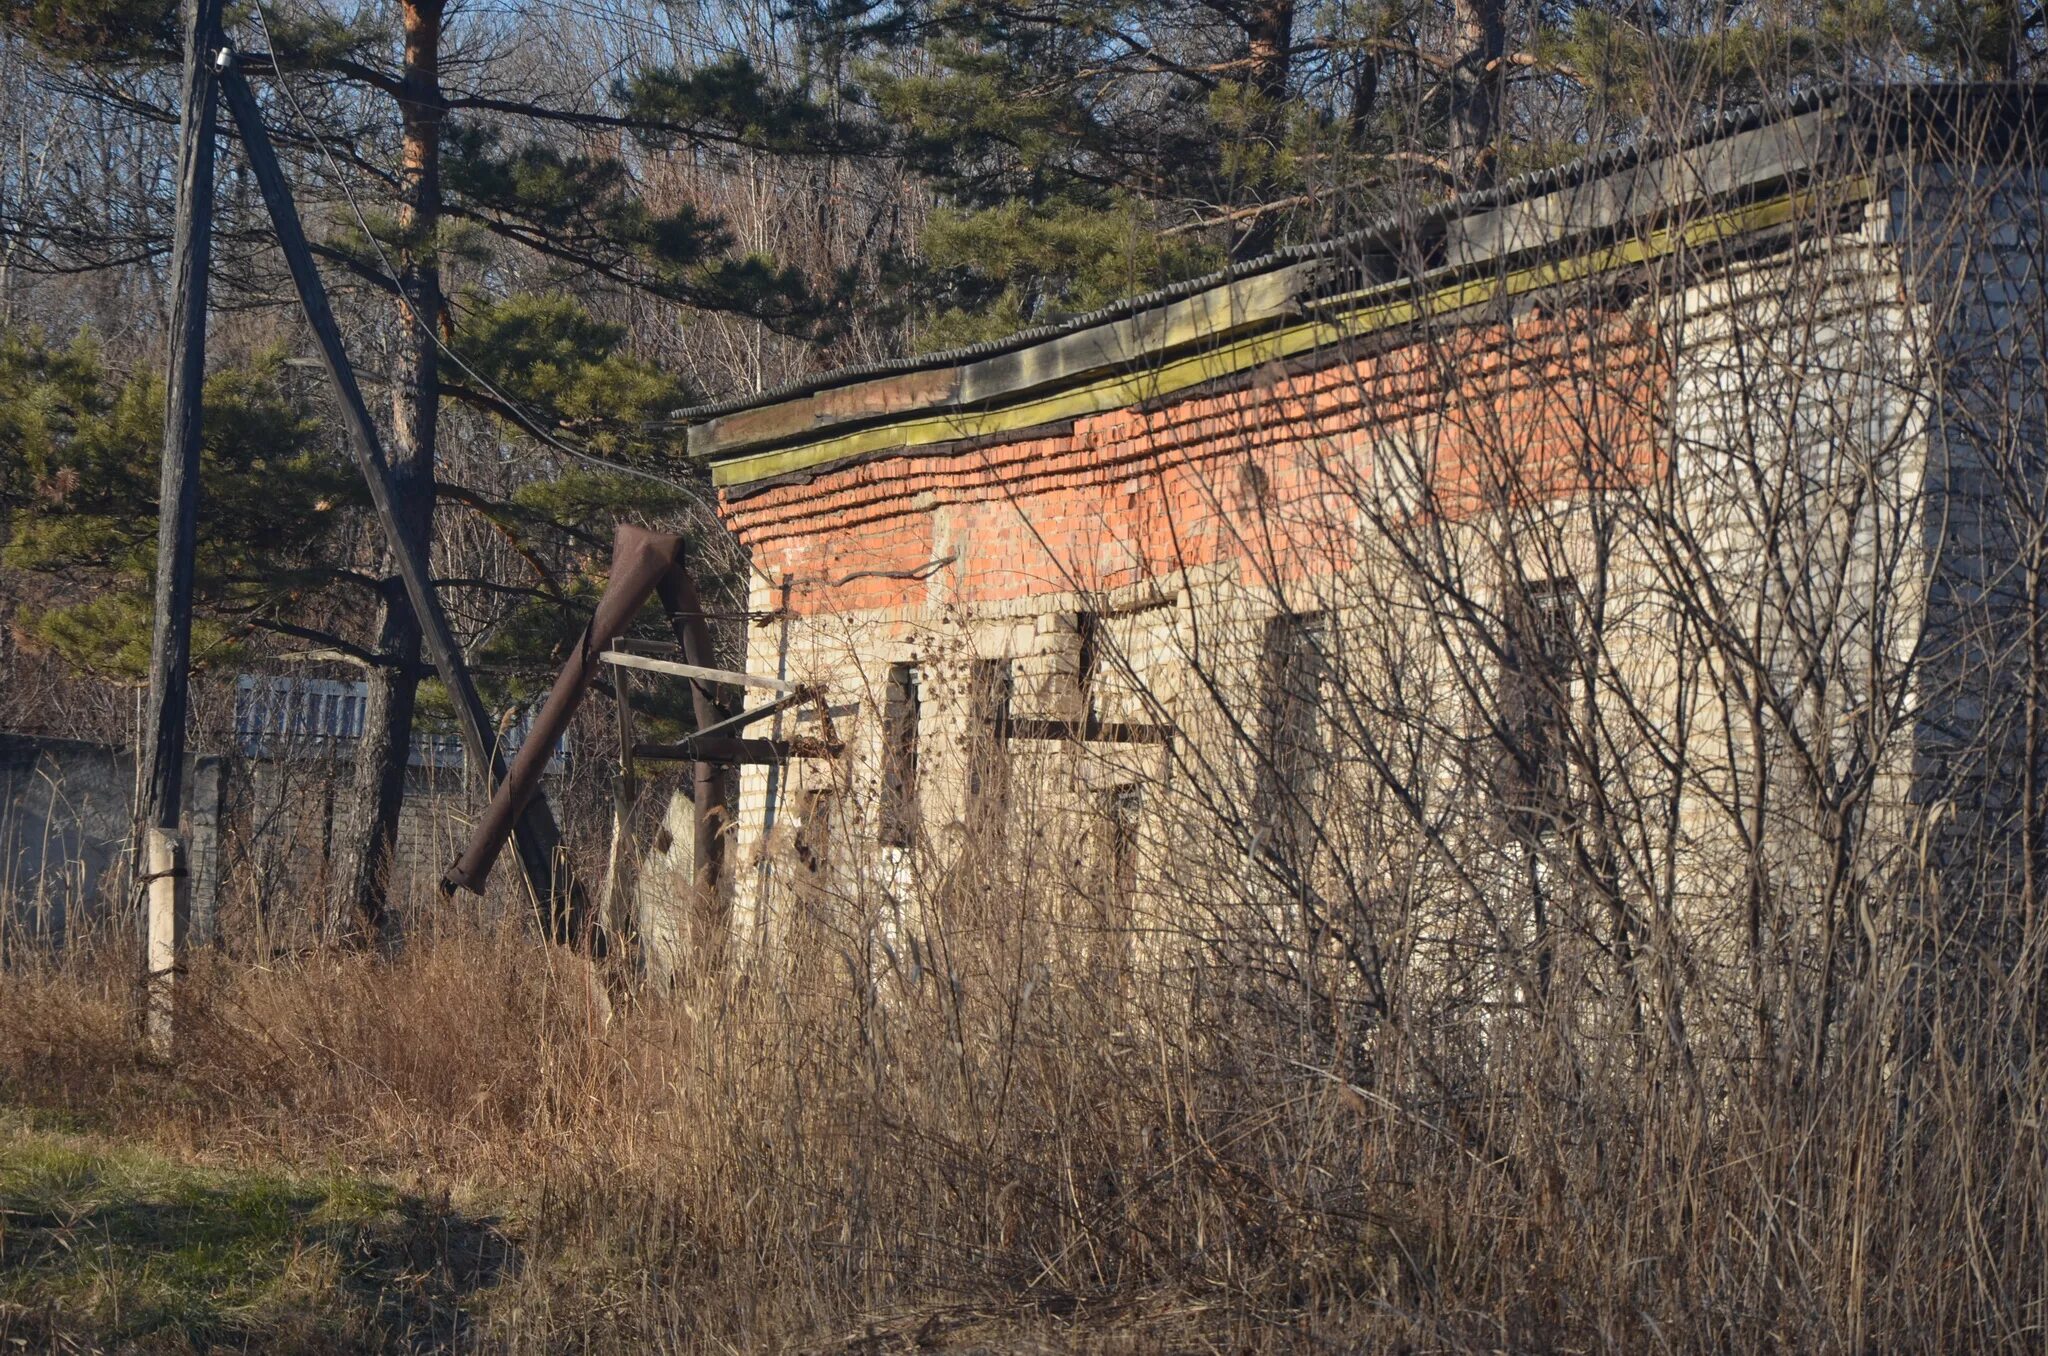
969,1147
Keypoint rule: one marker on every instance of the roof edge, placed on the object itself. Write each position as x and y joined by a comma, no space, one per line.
1746,152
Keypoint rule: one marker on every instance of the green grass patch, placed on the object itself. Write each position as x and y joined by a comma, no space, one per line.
104,1246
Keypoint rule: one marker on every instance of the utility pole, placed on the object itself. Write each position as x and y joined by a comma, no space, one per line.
164,872
534,833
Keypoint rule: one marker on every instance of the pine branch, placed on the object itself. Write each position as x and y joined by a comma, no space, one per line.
354,653
651,127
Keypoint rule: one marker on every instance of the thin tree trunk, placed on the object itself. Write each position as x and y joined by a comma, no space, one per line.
1480,31
382,753
377,795
1269,43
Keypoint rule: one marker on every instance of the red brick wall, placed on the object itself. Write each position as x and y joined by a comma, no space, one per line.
1269,473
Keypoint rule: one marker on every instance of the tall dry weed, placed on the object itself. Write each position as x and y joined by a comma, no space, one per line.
828,1146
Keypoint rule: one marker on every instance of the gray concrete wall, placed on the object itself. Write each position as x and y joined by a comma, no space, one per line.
65,817
276,825
293,815
1977,254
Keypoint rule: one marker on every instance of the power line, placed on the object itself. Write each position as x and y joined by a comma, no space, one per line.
651,28
432,331
646,26
753,165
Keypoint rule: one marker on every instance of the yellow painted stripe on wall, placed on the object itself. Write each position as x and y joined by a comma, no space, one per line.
1245,354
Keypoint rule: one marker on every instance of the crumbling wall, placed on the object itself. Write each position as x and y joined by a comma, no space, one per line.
1620,427
1170,530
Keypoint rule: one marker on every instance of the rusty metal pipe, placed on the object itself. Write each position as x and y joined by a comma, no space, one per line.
640,560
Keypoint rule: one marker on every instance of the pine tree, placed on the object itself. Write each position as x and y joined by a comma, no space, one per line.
80,504
1083,150
496,189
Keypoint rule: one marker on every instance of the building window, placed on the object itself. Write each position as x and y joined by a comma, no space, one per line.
1539,657
1088,667
1118,662
1117,842
901,718
988,767
1296,670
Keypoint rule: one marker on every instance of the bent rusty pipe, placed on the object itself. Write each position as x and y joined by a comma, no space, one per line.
640,560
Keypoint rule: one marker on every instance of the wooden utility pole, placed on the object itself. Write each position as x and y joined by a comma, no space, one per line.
534,833
163,866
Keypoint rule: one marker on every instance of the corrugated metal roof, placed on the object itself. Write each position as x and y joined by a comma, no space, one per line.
1524,186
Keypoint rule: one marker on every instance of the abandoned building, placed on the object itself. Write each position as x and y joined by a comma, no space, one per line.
1608,442
1667,527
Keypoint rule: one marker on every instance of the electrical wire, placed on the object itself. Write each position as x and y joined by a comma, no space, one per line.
652,28
425,325
646,26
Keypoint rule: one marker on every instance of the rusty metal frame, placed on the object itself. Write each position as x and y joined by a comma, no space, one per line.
644,564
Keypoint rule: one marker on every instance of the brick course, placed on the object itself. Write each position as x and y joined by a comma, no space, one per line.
1135,493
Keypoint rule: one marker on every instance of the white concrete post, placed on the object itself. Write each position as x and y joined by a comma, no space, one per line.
169,911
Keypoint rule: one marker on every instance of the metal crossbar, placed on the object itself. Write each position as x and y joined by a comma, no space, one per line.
677,669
